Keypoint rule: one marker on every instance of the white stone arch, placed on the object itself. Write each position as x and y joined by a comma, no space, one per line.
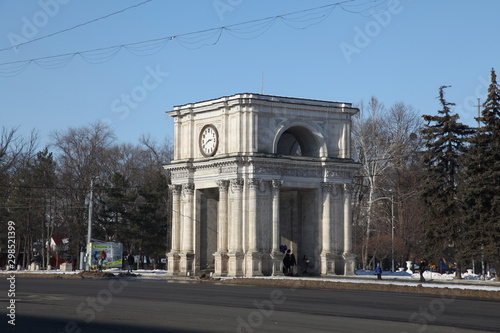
310,134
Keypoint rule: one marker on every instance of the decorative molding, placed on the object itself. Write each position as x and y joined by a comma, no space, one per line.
264,187
334,189
253,183
175,189
237,184
223,185
276,184
339,174
188,188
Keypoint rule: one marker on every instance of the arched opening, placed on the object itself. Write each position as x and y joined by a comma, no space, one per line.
297,141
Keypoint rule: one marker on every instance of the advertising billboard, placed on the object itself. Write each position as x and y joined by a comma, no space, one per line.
111,254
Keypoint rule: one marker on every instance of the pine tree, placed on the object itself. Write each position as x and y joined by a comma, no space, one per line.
482,193
445,140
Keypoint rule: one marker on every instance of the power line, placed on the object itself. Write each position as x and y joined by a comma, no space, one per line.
74,27
186,40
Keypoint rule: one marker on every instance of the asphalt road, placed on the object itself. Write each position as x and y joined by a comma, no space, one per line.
119,305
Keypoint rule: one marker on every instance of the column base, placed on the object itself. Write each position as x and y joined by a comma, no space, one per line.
349,263
253,261
221,264
235,264
173,262
329,264
186,264
277,263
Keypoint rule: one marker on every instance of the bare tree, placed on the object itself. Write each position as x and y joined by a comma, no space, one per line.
384,140
83,154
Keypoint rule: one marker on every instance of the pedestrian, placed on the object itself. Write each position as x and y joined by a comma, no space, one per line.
422,268
378,272
73,263
286,263
99,264
293,262
305,264
130,262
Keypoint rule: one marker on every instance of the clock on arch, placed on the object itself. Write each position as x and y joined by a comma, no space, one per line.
209,140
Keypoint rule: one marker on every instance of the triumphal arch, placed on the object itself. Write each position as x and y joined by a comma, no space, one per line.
253,172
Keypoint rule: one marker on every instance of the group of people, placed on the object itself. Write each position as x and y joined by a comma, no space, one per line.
289,263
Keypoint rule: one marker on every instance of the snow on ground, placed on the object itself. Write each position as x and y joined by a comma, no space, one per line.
401,278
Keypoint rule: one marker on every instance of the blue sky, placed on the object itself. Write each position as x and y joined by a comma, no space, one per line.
398,50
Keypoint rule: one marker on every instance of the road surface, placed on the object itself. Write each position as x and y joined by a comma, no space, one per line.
131,305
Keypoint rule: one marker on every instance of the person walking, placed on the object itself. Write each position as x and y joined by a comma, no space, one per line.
286,263
72,261
99,264
293,262
130,262
422,268
378,272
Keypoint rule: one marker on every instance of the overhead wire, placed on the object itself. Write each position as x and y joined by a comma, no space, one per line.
74,27
188,40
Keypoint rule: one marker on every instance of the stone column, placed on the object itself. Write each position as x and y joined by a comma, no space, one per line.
253,258
276,255
187,242
349,257
173,256
327,261
235,260
221,257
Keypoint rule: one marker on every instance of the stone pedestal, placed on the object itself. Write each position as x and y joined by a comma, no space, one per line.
66,267
349,263
408,267
235,264
186,264
221,264
277,258
253,264
34,267
327,265
173,262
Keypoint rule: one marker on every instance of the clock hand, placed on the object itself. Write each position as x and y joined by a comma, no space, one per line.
207,142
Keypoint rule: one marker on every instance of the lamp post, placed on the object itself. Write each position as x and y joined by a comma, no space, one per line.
392,231
89,230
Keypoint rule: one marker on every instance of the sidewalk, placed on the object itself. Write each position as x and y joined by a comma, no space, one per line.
433,280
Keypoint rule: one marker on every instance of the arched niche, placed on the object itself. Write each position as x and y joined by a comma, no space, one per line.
299,140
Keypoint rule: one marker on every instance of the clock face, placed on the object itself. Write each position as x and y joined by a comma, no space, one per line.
209,140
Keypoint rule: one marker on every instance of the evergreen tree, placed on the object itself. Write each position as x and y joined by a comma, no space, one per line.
482,193
445,140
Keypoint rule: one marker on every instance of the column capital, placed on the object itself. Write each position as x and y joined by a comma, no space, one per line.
175,189
237,184
223,185
188,188
331,188
276,185
253,183
348,188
